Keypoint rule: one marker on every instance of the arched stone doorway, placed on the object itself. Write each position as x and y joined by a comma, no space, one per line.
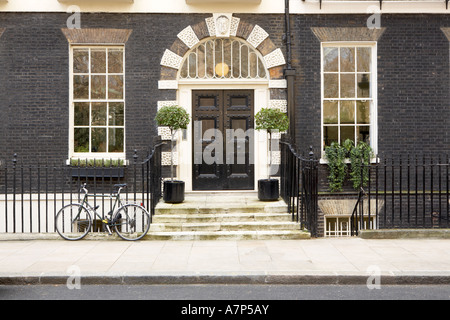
219,57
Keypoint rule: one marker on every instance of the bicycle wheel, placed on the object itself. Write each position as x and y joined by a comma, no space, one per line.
131,222
73,222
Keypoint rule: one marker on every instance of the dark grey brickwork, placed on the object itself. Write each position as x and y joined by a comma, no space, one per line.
413,78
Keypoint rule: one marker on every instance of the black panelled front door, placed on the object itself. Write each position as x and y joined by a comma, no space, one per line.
223,140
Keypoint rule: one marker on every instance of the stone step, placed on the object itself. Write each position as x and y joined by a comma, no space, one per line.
224,208
220,217
225,226
238,216
230,235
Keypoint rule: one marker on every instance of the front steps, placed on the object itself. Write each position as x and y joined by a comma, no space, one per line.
224,216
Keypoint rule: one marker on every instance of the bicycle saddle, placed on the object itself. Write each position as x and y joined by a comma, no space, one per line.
121,185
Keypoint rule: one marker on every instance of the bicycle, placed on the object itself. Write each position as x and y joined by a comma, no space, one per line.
129,221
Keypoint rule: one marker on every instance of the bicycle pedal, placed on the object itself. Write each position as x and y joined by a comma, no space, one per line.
109,230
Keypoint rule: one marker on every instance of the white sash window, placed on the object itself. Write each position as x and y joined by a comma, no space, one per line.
348,93
98,101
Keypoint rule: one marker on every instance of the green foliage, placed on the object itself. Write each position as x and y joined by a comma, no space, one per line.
359,155
271,119
174,117
336,155
90,163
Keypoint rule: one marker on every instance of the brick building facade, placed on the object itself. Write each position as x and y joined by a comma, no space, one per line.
412,74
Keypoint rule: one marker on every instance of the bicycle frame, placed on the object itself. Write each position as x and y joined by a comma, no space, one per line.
93,211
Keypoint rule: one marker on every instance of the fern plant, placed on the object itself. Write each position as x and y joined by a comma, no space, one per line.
336,154
360,156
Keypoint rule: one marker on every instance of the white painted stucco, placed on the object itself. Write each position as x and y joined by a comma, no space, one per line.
243,6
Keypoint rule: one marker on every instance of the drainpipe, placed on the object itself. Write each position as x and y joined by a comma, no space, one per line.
289,74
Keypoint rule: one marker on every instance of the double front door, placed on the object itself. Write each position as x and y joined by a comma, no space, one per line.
223,140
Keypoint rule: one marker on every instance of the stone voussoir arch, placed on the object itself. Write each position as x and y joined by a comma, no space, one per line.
190,36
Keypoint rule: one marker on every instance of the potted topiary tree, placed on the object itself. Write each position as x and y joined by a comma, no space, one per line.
271,120
174,117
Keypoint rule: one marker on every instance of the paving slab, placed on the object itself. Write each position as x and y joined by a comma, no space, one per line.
313,261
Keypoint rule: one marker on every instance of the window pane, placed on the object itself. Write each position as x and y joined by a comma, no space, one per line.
330,134
330,60
347,112
81,114
210,59
244,61
201,62
98,87
116,114
80,61
192,65
363,112
226,58
347,59
98,61
364,59
253,65
347,85
115,61
363,134
364,85
115,140
347,132
331,85
330,112
115,87
81,139
99,114
235,48
81,87
98,140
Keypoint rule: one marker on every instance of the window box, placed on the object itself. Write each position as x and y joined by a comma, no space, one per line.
90,168
101,172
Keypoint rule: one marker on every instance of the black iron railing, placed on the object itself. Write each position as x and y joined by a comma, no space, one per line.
299,186
405,192
32,194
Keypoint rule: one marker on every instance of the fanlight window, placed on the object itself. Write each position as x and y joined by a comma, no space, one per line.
223,59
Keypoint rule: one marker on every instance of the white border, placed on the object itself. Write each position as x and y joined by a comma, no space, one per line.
90,155
374,81
184,96
266,6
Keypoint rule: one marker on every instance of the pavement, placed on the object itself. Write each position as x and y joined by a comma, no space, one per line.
313,261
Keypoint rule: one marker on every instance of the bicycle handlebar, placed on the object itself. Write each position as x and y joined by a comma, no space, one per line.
120,186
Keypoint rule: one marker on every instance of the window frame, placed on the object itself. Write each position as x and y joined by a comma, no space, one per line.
373,123
243,45
72,101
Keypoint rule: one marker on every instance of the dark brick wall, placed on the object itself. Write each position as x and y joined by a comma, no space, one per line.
413,78
413,81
